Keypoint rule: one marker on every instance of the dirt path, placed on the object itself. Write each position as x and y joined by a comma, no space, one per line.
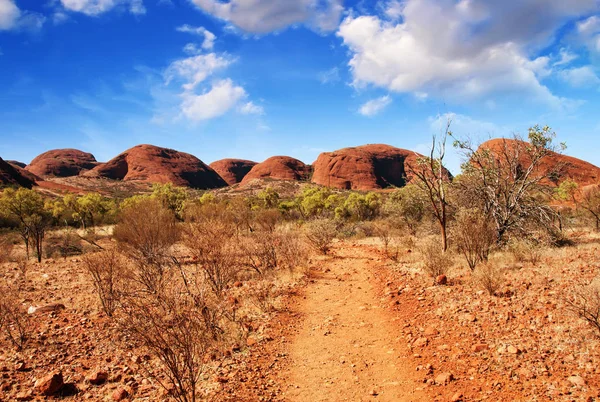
347,348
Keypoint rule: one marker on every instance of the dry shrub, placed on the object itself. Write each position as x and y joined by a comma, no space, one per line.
385,232
585,302
436,262
14,320
145,233
526,250
261,294
489,276
63,245
292,251
177,327
107,269
6,247
259,251
212,242
320,233
474,235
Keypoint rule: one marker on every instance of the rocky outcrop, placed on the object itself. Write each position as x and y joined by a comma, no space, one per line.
232,171
279,168
367,167
61,163
11,176
152,164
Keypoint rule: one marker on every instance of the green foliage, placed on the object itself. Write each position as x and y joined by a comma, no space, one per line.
408,205
86,209
359,207
566,191
316,201
27,207
269,198
172,197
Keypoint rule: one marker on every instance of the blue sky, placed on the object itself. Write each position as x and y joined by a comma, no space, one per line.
256,78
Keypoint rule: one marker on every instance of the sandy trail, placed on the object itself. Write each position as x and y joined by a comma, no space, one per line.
347,348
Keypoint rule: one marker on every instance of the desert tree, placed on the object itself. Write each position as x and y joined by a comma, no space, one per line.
27,207
430,175
591,203
504,179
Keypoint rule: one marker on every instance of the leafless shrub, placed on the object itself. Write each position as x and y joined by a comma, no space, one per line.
179,328
6,247
261,294
385,232
526,250
320,234
107,271
259,251
14,321
585,302
474,235
436,262
145,233
292,250
63,245
213,245
490,277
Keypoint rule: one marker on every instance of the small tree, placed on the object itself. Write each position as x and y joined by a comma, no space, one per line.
591,203
504,179
28,209
430,175
87,208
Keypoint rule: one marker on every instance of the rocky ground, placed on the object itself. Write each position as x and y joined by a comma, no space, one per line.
360,327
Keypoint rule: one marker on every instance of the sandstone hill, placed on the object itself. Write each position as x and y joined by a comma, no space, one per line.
11,176
279,168
17,163
232,171
367,167
566,167
152,164
61,163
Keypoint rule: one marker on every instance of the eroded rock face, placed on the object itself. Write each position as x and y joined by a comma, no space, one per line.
279,168
14,176
152,164
61,163
232,171
367,167
556,166
17,163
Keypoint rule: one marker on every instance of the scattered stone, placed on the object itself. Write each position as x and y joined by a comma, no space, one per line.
98,377
120,394
577,380
444,378
457,397
48,308
421,342
480,347
441,280
374,392
513,350
50,384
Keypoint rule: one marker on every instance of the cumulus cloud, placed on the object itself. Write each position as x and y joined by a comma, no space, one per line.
566,57
209,38
375,106
193,70
264,16
223,96
97,7
464,49
251,108
9,14
589,31
580,77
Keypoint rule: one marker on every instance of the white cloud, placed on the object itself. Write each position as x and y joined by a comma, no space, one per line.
251,108
330,76
209,37
566,57
194,70
9,14
589,31
97,7
263,16
462,49
374,106
580,77
223,96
